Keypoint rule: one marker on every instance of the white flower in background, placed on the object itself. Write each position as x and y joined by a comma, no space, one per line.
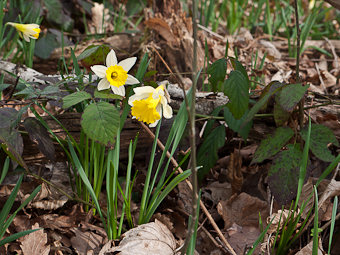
26,31
115,75
149,104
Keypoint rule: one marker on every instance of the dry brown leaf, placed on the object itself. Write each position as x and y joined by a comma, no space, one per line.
85,243
35,243
328,79
217,191
243,210
307,250
159,25
153,238
240,238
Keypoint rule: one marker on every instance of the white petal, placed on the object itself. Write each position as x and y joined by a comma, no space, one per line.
111,59
103,84
31,26
128,63
131,80
99,70
118,91
27,39
144,89
167,111
154,124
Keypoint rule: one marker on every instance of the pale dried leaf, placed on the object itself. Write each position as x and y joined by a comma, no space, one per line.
35,243
279,217
98,11
148,239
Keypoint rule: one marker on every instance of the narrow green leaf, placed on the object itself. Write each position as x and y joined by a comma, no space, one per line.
321,137
75,98
236,88
273,144
100,121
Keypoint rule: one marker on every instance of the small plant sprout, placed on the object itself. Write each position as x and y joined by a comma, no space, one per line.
149,104
26,31
115,75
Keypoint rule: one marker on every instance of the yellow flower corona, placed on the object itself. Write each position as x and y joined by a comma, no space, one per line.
145,110
115,75
150,104
26,31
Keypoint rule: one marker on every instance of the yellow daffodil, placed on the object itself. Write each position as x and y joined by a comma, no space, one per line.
149,104
115,75
26,31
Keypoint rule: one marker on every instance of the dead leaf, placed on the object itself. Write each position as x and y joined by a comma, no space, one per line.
235,176
85,243
241,238
153,238
217,191
308,249
159,25
35,243
100,16
243,210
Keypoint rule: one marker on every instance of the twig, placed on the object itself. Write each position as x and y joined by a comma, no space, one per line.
202,206
320,78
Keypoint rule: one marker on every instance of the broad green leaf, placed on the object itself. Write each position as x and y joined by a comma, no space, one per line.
12,138
94,55
235,124
236,88
320,137
217,72
28,92
291,95
4,86
207,153
38,133
272,144
100,122
283,174
106,94
239,67
274,87
57,15
280,115
75,98
7,117
45,45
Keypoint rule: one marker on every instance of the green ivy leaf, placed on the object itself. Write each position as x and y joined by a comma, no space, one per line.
207,153
291,95
75,98
236,88
217,72
272,144
320,137
100,122
283,174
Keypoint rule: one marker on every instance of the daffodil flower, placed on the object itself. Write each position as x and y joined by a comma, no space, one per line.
26,31
115,75
149,104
